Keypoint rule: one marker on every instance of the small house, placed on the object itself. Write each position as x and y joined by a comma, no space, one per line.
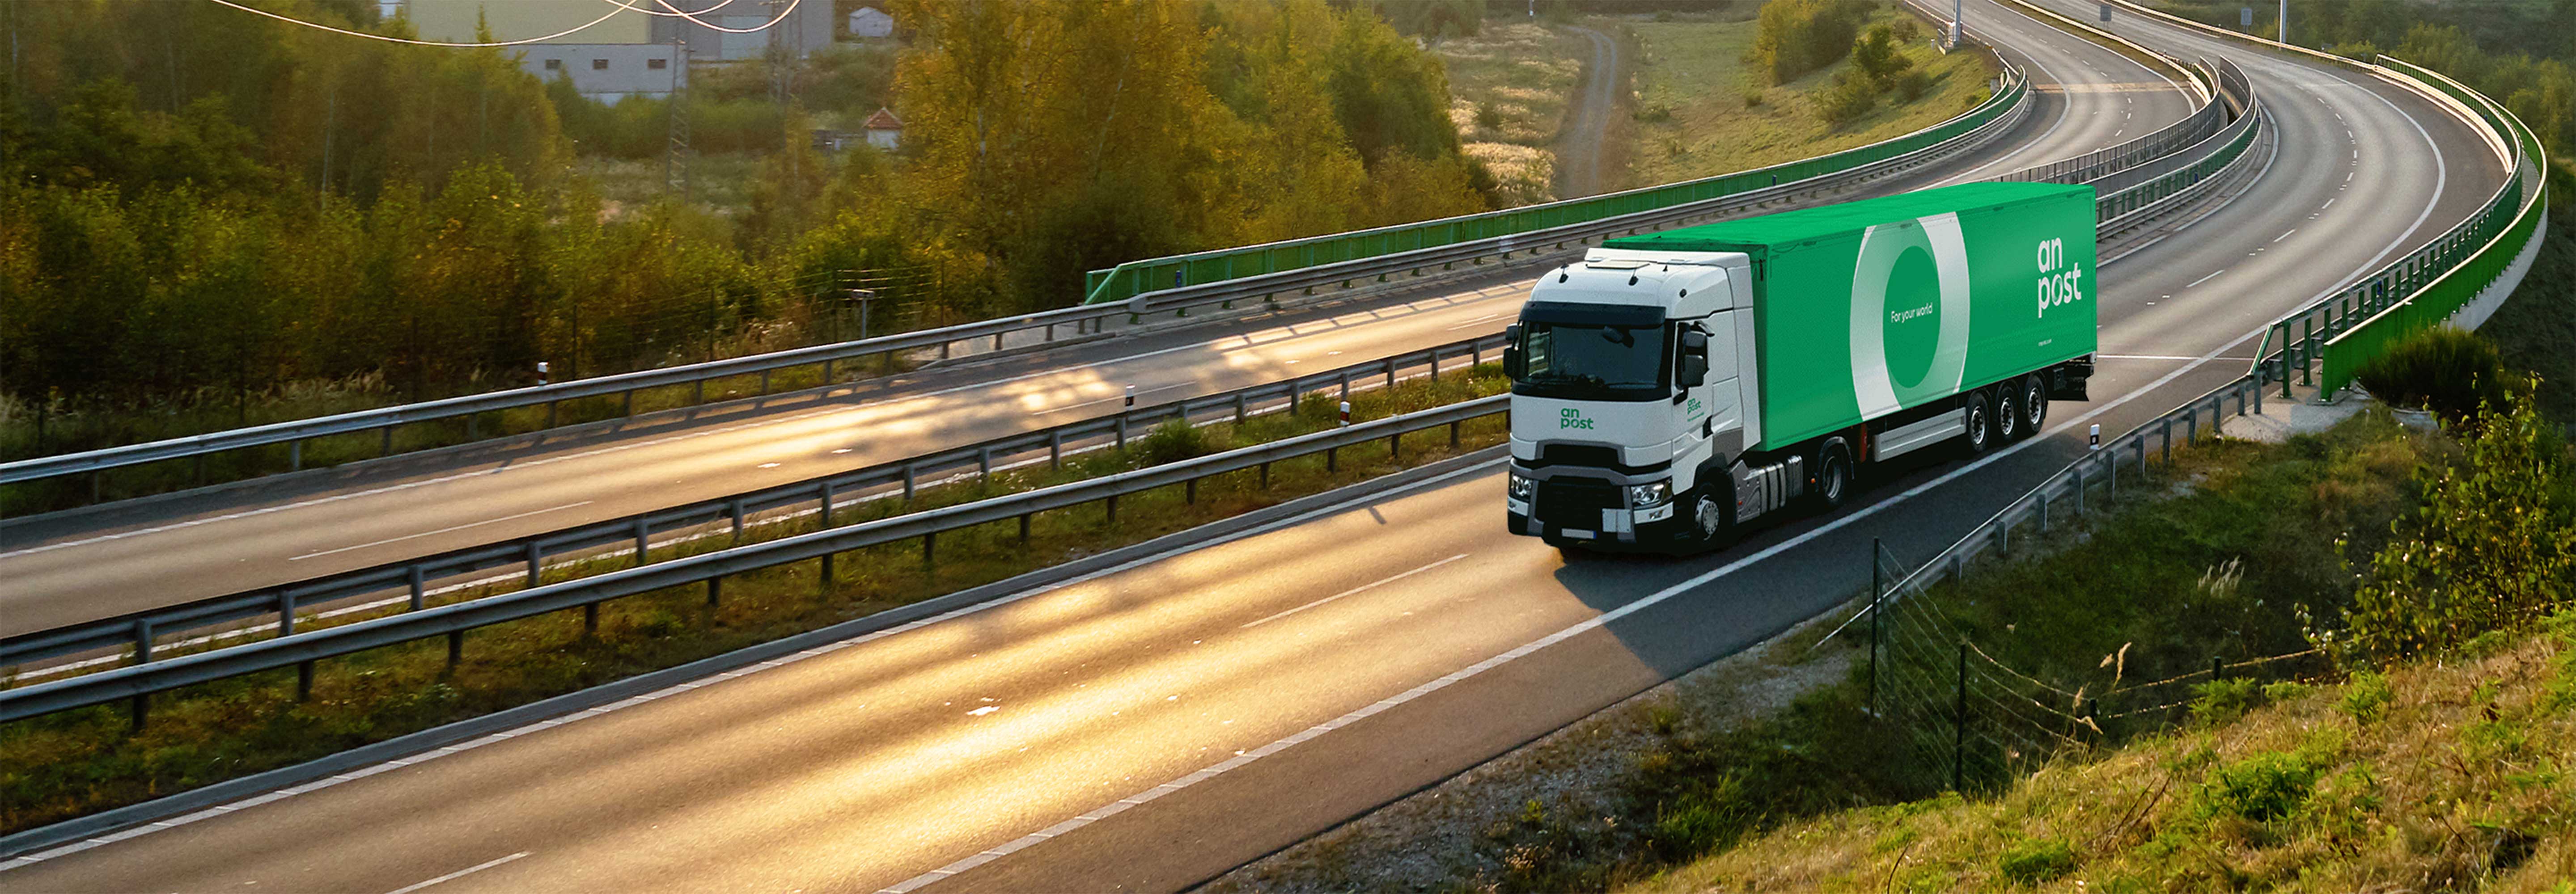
884,129
870,22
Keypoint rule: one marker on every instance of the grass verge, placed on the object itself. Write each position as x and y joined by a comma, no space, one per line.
1701,110
1509,86
79,762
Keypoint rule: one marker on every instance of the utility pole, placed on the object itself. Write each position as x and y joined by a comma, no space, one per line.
675,158
1958,23
2282,24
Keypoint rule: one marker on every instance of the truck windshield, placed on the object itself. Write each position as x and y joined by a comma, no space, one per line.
1594,361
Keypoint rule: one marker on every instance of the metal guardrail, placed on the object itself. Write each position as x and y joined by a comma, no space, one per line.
2149,190
1139,277
2062,496
1851,167
144,630
2164,141
138,681
2447,295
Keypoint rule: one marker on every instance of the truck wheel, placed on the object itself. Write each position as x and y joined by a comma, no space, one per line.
2034,404
1981,423
1709,515
1834,474
2008,413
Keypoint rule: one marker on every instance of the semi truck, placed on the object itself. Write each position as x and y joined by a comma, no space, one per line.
1670,388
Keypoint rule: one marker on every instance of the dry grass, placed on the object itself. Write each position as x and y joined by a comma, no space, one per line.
2445,776
1517,77
1693,119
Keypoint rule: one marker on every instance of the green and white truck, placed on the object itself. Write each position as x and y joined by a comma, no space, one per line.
1671,387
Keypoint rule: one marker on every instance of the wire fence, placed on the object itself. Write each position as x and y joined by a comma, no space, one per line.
1976,719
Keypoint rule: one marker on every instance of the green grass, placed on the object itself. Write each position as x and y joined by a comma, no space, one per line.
2138,574
1693,118
78,762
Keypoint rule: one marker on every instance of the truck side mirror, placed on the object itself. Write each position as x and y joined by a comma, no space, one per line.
1512,352
1694,365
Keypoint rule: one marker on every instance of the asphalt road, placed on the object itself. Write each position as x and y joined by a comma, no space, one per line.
1390,642
128,557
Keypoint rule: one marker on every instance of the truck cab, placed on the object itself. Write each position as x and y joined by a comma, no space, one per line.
1628,403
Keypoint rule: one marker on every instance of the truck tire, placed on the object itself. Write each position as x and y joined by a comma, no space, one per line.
1981,423
2034,403
1835,475
2008,413
1711,514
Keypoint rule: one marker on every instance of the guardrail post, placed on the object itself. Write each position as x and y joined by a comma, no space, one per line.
2164,434
2307,350
536,563
1265,476
697,392
1453,435
825,509
590,619
1055,448
764,384
626,404
909,482
1024,527
294,463
1390,374
984,461
828,379
455,649
2111,474
550,413
1112,516
1346,386
286,613
734,508
943,350
387,450
1238,408
2042,495
715,591
2191,425
2079,488
827,580
1395,446
419,590
304,681
1435,364
1190,491
2138,446
1332,459
643,540
2253,398
94,484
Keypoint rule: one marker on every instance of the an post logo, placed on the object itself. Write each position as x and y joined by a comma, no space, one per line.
2060,283
1571,418
1909,313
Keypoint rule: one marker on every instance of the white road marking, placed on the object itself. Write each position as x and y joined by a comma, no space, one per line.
439,531
2203,279
1594,623
461,873
979,712
2277,239
1358,589
2329,204
1121,396
769,465
2159,357
1466,324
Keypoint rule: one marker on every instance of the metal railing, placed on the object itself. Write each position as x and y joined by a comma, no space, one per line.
280,604
2167,140
1139,277
1853,166
139,680
2147,191
2062,497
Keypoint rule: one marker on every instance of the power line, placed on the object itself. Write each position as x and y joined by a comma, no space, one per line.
620,4
678,12
675,12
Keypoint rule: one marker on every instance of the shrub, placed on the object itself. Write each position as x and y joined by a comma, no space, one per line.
2037,860
2221,701
1913,85
2446,370
1488,116
2261,788
1800,36
1877,56
2365,697
1172,442
1906,32
1849,98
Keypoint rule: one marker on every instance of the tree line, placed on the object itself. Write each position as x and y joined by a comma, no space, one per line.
199,205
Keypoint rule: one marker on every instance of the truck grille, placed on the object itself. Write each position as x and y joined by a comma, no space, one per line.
1594,455
1575,502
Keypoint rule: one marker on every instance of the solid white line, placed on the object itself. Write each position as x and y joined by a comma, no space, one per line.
1594,623
439,531
2329,204
2204,279
1120,396
2157,357
817,651
461,873
2277,239
1471,322
1358,589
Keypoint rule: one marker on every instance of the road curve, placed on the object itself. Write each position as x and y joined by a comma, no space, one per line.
129,557
1587,120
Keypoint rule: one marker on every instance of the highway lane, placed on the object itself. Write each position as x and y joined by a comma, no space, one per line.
128,557
868,765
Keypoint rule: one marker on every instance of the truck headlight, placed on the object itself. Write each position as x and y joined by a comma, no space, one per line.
1521,487
1649,494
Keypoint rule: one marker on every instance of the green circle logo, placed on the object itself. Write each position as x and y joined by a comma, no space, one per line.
1913,321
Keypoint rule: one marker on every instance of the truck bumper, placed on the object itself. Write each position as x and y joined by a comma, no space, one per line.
1653,528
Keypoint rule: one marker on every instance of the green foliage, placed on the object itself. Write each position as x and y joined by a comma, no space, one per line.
2490,549
1172,442
2262,788
1851,96
1911,85
1876,55
2447,370
1800,36
2365,697
2036,860
2219,702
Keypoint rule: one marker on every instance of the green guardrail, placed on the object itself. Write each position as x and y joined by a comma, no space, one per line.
1136,277
2443,295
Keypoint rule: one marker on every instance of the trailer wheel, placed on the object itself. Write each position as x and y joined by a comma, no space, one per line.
1981,422
1835,475
2008,413
2034,404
